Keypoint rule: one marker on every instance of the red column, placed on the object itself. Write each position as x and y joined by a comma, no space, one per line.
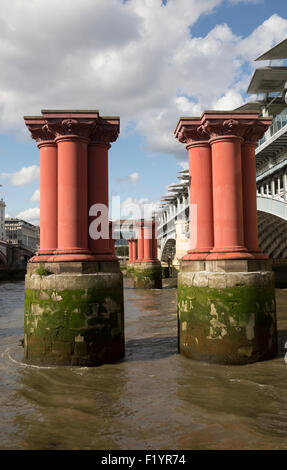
136,250
133,250
254,131
130,251
105,131
98,193
49,197
148,242
140,243
48,187
72,198
227,198
200,194
154,242
249,198
225,131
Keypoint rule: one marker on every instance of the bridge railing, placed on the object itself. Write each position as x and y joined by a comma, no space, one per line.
170,217
273,187
278,122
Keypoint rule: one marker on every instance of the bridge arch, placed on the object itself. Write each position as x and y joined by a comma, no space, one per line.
272,235
168,251
273,206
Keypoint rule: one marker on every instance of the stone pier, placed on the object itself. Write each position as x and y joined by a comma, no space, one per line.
147,271
226,294
73,289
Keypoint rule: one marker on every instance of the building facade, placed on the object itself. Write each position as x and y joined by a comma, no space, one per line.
2,220
20,232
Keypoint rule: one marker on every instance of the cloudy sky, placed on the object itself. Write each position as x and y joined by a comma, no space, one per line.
148,61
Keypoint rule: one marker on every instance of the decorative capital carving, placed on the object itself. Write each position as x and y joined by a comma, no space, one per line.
220,127
249,129
104,132
62,127
255,130
40,133
192,133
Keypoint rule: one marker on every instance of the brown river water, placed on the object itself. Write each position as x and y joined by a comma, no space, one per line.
154,399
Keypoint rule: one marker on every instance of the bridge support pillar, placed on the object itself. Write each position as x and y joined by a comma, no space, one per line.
132,257
74,297
226,302
147,272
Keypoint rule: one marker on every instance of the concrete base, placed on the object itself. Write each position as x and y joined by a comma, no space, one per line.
227,317
147,275
73,317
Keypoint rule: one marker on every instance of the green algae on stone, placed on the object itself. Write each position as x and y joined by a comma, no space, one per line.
147,277
227,325
56,320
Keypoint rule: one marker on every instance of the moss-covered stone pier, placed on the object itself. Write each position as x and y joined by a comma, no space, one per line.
227,316
74,313
147,275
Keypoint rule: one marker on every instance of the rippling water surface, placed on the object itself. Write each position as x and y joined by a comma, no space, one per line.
155,399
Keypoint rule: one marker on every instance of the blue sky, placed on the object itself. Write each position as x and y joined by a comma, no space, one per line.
147,61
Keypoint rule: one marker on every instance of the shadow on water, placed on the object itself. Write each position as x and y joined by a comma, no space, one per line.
146,349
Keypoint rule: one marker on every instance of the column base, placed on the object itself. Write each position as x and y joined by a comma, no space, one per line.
147,275
232,253
227,317
196,255
74,313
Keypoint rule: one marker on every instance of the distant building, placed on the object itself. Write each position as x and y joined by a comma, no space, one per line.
20,232
2,219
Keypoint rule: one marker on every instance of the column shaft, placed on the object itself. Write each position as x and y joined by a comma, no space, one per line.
148,244
250,198
227,198
130,251
72,195
200,172
49,197
133,248
140,243
98,193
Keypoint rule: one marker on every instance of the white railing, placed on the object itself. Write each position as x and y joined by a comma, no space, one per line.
278,123
273,187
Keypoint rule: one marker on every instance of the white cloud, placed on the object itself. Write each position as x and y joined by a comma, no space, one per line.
183,164
22,177
31,215
138,208
35,196
231,100
269,33
132,178
136,59
235,2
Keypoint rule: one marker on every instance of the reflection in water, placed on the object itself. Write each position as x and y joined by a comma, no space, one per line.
155,398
